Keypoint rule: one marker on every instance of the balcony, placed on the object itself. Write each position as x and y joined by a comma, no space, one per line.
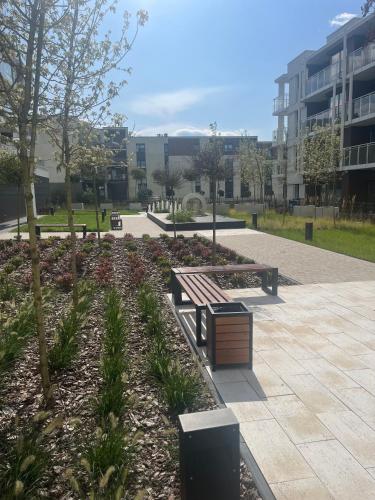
362,154
280,136
280,104
361,57
322,119
363,106
323,78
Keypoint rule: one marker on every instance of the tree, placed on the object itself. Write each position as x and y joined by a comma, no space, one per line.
138,175
11,173
367,6
81,60
255,166
321,158
209,162
91,161
24,28
170,181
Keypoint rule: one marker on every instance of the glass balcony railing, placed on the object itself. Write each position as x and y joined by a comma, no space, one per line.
322,119
364,105
362,154
361,57
280,103
280,136
322,78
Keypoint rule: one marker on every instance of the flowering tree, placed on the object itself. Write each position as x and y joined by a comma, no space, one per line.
255,166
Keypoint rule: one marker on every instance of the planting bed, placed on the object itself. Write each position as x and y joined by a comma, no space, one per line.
120,366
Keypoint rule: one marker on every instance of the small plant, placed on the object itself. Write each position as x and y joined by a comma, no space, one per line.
104,271
7,290
146,237
65,281
180,389
16,261
23,463
147,302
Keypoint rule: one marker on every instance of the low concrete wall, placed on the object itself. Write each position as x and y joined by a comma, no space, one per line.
167,225
312,211
135,206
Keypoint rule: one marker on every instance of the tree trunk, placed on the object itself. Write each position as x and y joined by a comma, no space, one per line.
96,207
73,237
173,218
27,159
214,222
18,212
66,155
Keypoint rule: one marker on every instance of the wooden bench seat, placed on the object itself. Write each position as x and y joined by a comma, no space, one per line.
201,292
81,226
270,275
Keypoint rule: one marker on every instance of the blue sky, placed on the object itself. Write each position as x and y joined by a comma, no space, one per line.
198,61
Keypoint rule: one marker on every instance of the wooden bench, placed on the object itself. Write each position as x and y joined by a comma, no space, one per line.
39,226
201,291
270,275
115,220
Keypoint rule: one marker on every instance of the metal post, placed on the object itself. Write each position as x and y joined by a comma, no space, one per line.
104,213
255,220
308,231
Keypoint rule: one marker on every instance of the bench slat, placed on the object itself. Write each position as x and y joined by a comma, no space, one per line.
230,268
201,290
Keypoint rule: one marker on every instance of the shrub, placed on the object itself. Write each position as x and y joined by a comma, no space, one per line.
65,347
9,268
91,237
180,389
16,261
146,237
65,281
147,302
80,259
159,360
109,237
104,271
7,290
15,334
106,245
181,216
23,463
137,269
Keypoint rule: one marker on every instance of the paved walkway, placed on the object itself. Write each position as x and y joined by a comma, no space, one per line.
307,410
301,262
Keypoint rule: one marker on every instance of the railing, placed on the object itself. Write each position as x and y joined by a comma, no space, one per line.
323,78
364,105
322,119
362,154
280,103
280,136
361,57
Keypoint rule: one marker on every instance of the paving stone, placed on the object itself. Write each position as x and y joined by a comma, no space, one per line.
282,363
306,489
342,475
275,454
265,381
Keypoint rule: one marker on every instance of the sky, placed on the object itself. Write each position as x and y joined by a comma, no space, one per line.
200,61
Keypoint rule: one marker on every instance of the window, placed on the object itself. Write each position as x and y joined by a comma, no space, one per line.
296,191
141,155
229,179
166,155
228,148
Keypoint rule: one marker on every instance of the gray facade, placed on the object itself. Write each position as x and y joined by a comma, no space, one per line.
332,85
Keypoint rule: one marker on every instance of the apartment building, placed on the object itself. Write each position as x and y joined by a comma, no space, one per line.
177,153
332,85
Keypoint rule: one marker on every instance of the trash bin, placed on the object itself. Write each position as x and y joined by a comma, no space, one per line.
229,334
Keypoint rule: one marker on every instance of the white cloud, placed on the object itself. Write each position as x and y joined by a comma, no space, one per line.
184,130
341,19
170,103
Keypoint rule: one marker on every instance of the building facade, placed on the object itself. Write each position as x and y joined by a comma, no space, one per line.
332,85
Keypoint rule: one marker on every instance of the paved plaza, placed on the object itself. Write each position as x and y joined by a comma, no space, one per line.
307,411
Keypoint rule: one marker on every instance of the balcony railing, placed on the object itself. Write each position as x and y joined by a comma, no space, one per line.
322,78
322,119
361,57
280,136
364,105
280,103
362,154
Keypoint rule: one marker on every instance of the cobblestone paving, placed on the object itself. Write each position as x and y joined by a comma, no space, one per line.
303,263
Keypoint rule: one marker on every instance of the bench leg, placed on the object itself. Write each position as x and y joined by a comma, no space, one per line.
37,232
198,321
176,290
275,280
84,232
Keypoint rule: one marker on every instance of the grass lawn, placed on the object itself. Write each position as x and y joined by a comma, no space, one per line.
348,237
80,217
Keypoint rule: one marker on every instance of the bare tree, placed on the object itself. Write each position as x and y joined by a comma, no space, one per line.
209,162
11,173
170,180
138,175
